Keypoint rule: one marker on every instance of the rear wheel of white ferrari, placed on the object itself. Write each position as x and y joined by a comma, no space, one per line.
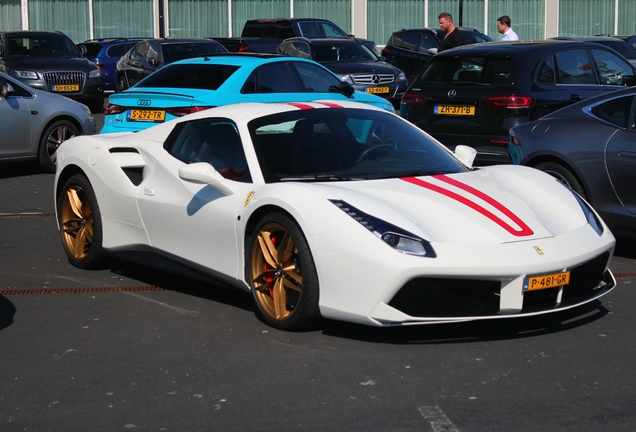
282,274
80,223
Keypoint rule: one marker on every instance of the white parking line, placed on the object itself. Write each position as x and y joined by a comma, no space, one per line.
438,420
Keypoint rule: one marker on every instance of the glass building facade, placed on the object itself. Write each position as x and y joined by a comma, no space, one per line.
372,19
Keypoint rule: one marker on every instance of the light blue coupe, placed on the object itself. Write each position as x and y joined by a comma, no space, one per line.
200,83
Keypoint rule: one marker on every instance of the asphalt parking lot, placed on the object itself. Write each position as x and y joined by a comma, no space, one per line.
132,348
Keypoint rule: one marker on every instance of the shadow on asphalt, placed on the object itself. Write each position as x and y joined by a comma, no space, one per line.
476,331
19,169
625,248
7,311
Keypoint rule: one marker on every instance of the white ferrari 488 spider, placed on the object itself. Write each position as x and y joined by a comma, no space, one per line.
332,209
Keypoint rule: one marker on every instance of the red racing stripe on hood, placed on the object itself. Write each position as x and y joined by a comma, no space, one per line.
302,106
524,229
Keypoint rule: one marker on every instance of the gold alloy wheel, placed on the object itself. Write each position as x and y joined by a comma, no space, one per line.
276,275
76,222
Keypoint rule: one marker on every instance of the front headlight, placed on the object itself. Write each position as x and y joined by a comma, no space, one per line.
347,78
401,77
397,238
590,214
26,74
96,73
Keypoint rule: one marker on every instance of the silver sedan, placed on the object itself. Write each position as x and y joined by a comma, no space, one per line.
34,123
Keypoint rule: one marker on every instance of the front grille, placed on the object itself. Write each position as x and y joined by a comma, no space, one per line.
373,79
583,281
63,78
431,297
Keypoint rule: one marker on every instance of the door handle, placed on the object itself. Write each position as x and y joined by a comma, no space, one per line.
574,97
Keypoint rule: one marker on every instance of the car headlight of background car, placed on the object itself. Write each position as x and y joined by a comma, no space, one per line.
399,239
26,74
401,76
96,73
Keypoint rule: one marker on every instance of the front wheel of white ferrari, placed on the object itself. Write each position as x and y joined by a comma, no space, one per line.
282,274
80,223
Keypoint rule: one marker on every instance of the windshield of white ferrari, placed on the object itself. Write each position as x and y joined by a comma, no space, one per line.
345,144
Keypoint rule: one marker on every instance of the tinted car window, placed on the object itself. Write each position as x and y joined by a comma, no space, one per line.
139,52
428,41
409,40
92,49
275,78
469,71
574,67
341,51
202,76
119,49
330,30
546,71
617,111
215,141
173,52
612,68
315,78
42,45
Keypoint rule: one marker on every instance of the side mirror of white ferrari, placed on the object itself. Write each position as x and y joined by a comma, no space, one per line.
204,173
466,154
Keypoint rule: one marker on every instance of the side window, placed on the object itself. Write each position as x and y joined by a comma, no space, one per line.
612,69
545,74
302,50
285,49
215,141
619,112
331,31
409,41
574,67
428,41
398,39
119,49
315,78
275,78
309,29
250,84
153,53
139,53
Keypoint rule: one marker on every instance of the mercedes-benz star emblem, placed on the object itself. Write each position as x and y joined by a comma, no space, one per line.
452,93
143,102
375,79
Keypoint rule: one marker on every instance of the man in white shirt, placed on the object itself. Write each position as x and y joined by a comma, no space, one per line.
503,25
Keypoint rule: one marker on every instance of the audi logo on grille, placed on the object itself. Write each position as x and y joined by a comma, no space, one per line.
452,93
375,79
143,102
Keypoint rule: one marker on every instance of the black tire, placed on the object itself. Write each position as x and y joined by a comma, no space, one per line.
54,135
563,174
284,282
80,223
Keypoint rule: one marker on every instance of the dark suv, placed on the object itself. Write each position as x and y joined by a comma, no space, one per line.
50,61
410,49
474,94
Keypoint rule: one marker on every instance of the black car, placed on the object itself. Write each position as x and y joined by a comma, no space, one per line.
474,94
151,54
410,49
591,147
621,46
50,61
353,61
630,39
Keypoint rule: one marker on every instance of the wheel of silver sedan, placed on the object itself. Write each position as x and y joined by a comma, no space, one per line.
80,223
52,138
282,274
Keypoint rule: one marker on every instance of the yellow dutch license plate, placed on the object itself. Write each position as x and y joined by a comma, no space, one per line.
66,87
454,110
553,280
377,90
147,115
